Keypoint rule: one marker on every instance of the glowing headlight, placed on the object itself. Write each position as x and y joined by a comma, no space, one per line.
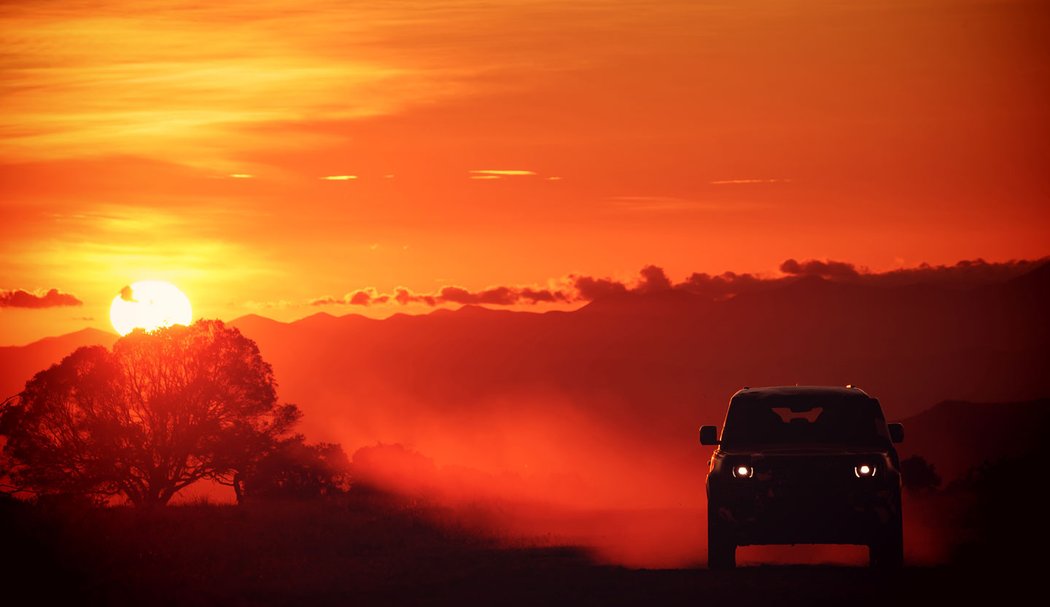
743,471
864,470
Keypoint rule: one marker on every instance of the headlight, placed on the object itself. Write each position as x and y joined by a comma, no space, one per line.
864,470
743,471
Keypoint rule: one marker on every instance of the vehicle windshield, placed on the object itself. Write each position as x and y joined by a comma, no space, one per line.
805,420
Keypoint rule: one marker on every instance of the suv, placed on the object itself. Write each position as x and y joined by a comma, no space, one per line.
804,465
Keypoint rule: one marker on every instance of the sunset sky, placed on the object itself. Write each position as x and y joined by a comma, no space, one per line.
265,155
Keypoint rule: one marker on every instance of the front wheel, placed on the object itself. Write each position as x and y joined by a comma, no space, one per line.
721,549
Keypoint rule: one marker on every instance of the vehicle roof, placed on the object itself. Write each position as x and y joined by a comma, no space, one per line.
844,392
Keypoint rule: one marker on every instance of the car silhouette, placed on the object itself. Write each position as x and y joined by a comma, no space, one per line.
804,465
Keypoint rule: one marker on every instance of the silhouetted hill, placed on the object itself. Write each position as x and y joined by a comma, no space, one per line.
1035,283
254,323
669,302
958,436
19,363
634,375
648,368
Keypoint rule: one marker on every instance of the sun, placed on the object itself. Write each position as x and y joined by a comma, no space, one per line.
149,305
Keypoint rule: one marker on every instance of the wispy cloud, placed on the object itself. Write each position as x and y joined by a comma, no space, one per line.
160,78
747,181
339,177
672,204
500,173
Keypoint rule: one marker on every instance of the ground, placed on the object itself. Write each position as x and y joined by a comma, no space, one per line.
375,551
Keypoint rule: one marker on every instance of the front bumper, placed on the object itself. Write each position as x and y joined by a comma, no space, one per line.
766,513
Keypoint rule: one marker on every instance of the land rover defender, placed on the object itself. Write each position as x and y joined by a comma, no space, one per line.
804,465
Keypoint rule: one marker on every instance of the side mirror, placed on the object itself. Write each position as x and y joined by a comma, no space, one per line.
708,435
897,433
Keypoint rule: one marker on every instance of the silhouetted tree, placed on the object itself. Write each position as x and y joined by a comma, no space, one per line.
6,484
296,470
392,469
919,475
159,412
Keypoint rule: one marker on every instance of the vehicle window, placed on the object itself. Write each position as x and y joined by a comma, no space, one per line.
760,422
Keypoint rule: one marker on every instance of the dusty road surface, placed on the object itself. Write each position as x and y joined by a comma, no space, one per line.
361,554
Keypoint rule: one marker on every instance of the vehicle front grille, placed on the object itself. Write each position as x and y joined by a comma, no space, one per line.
805,470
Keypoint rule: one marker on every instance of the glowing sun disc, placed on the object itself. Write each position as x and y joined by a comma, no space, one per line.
149,305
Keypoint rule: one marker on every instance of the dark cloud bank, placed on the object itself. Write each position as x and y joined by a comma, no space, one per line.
18,298
652,279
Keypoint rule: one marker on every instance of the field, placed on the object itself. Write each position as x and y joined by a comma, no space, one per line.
368,549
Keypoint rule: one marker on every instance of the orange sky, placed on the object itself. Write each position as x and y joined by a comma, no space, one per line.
510,142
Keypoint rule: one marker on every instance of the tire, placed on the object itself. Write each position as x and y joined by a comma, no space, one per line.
888,552
721,549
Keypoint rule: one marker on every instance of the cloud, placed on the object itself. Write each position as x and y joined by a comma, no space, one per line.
503,172
823,269
673,204
495,296
53,298
591,288
405,296
653,279
491,174
722,286
339,177
327,300
747,181
366,297
965,274
533,296
452,294
968,273
204,78
360,297
499,296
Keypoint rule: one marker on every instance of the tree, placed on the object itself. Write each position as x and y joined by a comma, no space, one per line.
297,470
159,412
393,468
919,475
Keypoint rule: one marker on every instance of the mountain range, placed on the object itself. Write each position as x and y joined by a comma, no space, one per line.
635,373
